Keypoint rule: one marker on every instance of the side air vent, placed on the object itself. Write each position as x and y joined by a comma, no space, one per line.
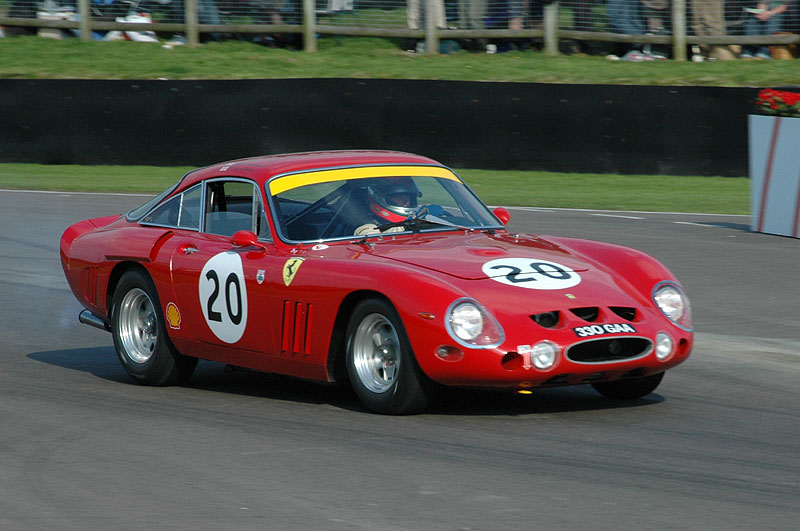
298,320
547,319
604,350
89,284
589,313
628,314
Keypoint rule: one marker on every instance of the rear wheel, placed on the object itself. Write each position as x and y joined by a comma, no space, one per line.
140,337
629,389
381,366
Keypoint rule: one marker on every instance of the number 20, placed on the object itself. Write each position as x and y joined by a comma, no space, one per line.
538,267
232,279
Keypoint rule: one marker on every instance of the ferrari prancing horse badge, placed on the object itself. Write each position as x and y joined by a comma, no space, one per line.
290,269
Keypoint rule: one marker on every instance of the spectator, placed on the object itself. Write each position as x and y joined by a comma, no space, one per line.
415,14
766,18
708,20
471,14
520,11
626,16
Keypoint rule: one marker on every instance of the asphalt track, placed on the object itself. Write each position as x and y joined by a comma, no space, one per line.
82,447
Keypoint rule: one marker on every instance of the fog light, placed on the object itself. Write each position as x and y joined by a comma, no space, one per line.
449,353
664,346
544,355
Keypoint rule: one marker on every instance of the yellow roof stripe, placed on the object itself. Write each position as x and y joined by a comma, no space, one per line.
296,180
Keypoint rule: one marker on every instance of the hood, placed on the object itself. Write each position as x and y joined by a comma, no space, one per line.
480,255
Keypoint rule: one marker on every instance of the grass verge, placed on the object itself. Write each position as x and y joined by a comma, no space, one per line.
660,193
361,57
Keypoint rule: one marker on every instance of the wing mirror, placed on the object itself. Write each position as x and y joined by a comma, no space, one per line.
502,214
246,238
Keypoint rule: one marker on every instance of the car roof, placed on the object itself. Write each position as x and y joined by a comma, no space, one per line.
261,169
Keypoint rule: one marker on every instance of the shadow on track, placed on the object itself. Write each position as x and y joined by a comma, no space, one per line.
215,377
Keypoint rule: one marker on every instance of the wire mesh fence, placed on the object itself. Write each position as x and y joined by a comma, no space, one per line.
751,24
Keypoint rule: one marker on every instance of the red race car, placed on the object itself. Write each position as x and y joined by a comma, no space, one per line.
377,267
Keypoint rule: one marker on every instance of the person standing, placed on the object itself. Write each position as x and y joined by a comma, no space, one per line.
708,20
765,19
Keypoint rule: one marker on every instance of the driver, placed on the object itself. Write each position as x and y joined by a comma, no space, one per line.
391,200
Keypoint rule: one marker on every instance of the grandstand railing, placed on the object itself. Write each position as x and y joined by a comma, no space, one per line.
550,23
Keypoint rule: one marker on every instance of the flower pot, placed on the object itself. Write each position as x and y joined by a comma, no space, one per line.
774,150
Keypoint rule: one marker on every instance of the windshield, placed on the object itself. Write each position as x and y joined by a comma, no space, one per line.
358,202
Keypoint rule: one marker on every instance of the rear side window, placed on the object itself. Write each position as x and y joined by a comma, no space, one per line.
182,211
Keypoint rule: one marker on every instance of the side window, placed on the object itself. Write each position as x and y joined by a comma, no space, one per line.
231,206
182,211
166,214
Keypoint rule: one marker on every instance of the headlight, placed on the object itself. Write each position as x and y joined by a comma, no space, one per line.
673,302
470,325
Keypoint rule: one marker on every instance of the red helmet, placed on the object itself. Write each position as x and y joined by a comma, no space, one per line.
393,198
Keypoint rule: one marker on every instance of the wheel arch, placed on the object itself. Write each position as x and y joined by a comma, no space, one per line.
337,353
116,274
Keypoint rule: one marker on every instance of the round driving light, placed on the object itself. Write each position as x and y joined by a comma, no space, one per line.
466,321
544,354
664,346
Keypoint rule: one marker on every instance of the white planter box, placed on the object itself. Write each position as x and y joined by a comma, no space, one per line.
774,145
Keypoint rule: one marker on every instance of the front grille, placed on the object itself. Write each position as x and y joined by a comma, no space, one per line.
604,350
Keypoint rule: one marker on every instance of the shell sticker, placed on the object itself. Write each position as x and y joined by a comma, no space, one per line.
290,269
173,316
531,273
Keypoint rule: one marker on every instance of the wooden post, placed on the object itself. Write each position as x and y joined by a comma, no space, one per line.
431,35
679,30
84,23
190,22
309,23
551,28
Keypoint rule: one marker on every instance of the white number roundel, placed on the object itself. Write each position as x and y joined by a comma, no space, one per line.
223,296
531,273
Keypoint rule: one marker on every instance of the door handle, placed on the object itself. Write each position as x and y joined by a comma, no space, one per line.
189,249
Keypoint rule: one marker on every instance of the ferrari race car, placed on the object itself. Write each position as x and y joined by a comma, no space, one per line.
374,267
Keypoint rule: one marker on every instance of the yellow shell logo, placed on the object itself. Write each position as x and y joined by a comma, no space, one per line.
290,269
173,316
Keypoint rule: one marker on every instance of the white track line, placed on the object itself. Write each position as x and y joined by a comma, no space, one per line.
616,216
57,192
548,209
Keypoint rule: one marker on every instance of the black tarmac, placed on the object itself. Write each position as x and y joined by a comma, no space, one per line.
716,447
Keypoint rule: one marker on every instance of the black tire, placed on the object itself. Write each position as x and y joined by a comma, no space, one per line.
380,364
140,335
629,389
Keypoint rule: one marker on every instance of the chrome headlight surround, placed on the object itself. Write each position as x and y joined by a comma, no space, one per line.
472,326
670,298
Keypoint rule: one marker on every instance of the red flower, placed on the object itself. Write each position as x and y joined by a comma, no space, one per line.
778,102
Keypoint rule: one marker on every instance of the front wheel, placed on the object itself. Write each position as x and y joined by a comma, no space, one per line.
140,337
629,389
381,366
